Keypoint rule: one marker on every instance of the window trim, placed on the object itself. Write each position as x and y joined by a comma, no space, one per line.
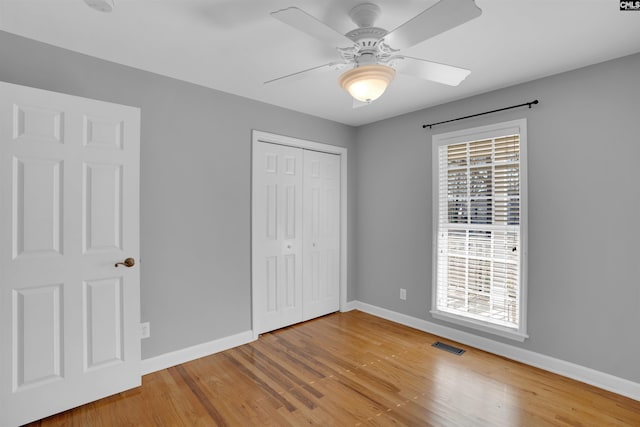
473,134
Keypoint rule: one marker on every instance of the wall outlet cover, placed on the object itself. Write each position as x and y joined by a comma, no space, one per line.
145,330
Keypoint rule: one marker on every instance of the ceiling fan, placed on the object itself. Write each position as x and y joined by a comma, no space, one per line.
371,53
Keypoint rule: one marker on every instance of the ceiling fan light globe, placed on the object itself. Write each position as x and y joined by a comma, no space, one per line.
368,82
367,90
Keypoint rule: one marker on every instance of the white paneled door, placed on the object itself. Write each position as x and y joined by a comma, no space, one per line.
295,235
321,235
277,228
69,211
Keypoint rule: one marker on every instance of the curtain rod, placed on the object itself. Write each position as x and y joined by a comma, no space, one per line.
482,114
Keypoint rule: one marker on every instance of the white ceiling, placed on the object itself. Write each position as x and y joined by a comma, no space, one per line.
235,45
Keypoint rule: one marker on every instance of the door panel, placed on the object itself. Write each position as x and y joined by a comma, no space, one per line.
103,322
291,284
37,123
38,351
321,213
69,209
37,206
277,236
103,133
102,207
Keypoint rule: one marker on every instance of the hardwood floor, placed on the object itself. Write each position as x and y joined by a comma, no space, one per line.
350,369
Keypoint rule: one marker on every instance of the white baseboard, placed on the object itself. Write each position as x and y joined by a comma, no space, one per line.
348,306
188,354
571,370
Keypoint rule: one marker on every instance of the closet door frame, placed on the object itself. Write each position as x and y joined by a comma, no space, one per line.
259,137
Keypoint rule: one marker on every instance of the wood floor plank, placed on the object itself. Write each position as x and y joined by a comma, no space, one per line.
353,369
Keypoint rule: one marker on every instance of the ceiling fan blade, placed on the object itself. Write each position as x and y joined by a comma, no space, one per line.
442,16
306,73
428,70
301,20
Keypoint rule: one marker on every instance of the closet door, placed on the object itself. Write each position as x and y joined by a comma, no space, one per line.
277,235
321,236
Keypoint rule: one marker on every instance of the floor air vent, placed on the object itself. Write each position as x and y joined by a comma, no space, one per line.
446,347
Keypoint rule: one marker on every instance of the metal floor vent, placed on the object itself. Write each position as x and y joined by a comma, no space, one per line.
446,347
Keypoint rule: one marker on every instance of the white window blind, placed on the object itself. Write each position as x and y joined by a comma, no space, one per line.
479,230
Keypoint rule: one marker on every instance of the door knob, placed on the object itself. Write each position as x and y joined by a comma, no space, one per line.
129,262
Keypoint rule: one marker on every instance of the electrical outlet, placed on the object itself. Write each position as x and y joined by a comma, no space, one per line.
403,294
145,330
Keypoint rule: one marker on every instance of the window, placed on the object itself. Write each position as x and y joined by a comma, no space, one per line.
479,179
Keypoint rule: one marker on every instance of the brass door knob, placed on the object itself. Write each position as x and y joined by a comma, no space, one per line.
129,262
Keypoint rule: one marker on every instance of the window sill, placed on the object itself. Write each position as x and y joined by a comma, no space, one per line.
481,326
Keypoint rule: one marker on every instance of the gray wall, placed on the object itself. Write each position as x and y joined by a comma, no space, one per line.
584,204
195,185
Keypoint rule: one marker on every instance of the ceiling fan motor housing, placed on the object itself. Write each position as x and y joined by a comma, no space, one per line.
366,37
369,46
